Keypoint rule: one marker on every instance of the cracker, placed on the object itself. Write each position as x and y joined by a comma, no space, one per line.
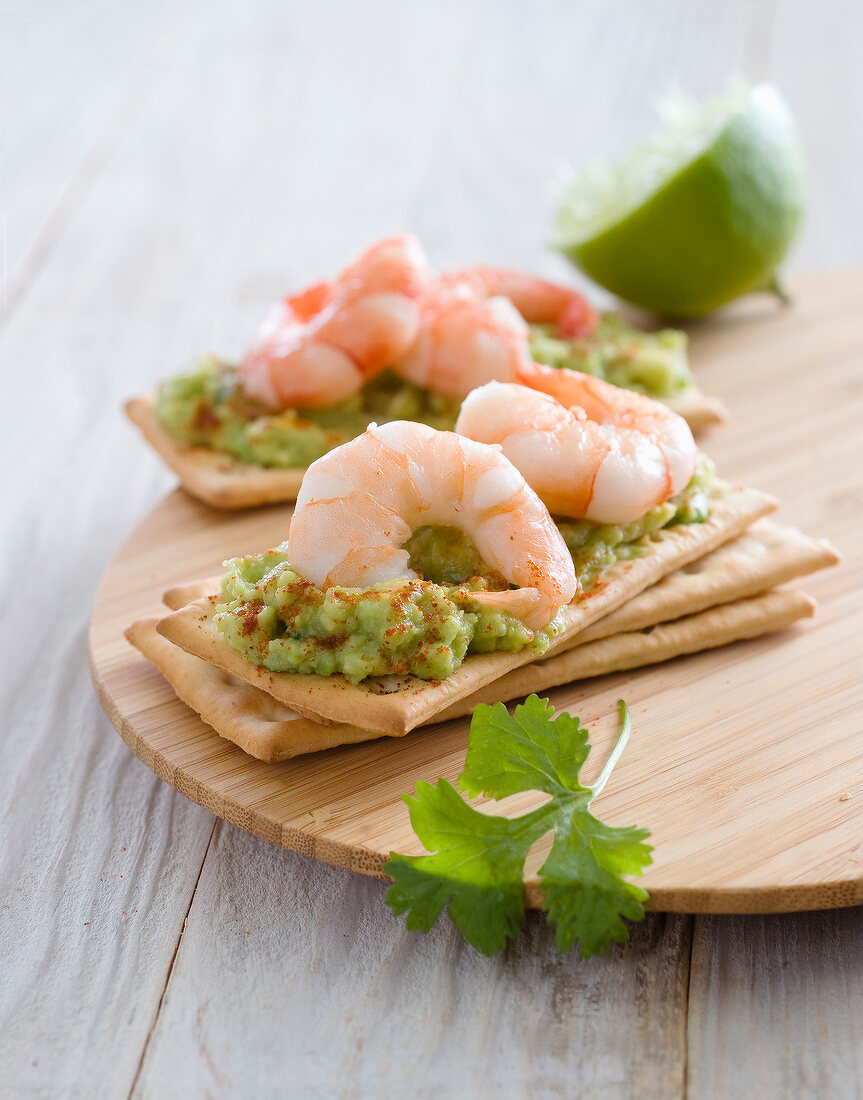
224,482
394,706
269,731
763,557
260,725
717,626
697,409
213,476
182,594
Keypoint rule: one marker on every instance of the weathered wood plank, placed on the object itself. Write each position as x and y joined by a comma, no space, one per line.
99,859
69,76
98,862
776,1006
292,977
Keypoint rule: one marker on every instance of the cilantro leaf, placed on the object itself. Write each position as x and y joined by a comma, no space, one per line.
529,750
582,888
475,867
476,870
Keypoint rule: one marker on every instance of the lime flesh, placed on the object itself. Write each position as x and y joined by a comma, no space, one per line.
714,228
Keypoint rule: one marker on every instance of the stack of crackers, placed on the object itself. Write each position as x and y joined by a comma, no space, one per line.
696,587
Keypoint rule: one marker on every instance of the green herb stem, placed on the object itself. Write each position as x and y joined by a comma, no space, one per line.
617,751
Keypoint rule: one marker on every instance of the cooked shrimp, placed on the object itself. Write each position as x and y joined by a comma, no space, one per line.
537,300
473,327
359,504
464,341
589,449
318,347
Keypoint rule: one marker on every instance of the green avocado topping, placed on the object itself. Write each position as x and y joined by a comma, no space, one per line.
207,408
654,363
397,628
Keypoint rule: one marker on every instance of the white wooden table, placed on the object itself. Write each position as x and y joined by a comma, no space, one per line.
168,168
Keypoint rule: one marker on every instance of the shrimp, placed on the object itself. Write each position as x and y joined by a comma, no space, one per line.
589,449
318,347
360,502
465,341
473,327
537,300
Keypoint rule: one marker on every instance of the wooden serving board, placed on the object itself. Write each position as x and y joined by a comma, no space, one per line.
746,763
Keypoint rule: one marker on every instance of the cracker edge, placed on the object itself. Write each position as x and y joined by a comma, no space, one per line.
710,629
238,712
698,409
728,574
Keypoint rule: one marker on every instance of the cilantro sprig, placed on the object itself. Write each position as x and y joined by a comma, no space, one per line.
475,865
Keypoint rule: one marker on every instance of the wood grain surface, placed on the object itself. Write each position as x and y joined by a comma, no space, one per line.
746,813
168,168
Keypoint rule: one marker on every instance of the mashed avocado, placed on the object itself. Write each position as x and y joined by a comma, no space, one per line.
654,363
425,627
419,628
207,407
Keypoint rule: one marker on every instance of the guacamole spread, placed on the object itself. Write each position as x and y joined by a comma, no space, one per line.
654,363
420,628
207,407
423,627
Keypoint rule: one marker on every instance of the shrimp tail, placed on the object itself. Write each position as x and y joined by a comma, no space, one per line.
309,302
538,376
527,604
578,320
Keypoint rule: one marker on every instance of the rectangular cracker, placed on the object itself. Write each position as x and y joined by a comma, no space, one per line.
213,476
395,706
698,409
225,482
259,724
269,731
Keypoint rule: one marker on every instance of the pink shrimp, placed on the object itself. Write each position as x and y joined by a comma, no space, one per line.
320,346
360,502
589,449
473,327
464,341
537,300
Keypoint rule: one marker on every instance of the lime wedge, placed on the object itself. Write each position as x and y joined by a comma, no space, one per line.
700,215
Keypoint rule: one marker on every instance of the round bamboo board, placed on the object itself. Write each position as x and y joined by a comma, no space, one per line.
745,762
